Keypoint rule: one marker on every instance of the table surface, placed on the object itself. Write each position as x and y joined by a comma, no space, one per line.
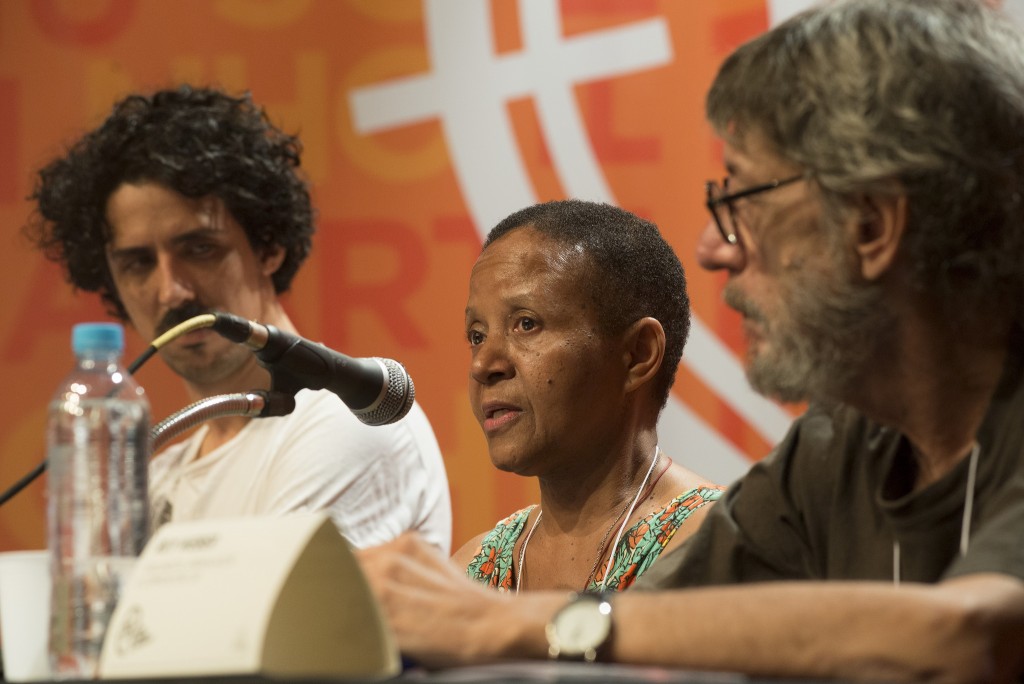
525,671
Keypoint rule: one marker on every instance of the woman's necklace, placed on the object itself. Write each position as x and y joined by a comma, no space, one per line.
965,523
603,546
631,508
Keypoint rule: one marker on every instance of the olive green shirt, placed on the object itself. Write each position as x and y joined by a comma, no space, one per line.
831,499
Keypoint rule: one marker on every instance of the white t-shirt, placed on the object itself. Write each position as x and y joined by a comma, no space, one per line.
374,481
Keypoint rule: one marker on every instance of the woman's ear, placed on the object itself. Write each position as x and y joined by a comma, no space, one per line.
880,224
271,259
644,352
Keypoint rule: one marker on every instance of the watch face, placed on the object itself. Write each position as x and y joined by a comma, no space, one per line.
582,626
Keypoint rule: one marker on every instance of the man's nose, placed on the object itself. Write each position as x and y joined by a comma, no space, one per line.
715,253
175,288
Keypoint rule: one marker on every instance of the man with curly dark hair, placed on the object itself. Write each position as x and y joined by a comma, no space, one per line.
188,201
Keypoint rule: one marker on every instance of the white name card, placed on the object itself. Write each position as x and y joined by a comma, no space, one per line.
280,596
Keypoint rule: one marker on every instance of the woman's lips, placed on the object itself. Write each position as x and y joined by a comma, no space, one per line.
498,417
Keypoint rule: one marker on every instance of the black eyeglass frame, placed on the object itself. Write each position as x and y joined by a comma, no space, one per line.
727,199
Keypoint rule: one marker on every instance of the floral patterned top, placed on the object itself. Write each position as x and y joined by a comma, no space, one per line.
639,548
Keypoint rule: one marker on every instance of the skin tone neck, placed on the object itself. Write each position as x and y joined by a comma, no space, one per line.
585,507
584,500
581,514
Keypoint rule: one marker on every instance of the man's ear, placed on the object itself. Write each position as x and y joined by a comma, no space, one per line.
271,259
878,233
644,352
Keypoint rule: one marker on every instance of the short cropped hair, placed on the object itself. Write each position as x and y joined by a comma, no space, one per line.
886,97
198,142
632,272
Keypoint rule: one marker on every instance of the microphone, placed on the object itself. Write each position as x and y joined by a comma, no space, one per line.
377,391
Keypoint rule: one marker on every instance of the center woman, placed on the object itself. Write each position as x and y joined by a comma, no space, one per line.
577,318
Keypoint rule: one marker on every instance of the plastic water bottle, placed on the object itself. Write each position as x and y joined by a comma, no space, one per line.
98,446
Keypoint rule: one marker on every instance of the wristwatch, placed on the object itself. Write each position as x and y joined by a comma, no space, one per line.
580,628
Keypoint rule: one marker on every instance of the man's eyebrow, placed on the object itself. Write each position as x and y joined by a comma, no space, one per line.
127,252
200,232
194,234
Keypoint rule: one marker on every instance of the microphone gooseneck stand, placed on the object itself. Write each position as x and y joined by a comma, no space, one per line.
255,404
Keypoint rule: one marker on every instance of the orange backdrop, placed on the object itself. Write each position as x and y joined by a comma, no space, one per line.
424,123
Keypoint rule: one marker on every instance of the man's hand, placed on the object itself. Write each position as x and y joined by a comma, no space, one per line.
441,617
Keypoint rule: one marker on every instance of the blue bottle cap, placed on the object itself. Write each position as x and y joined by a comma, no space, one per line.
97,337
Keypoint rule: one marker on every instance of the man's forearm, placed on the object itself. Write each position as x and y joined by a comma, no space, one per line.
971,628
847,630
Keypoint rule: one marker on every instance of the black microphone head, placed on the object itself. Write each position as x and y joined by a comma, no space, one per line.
396,399
232,327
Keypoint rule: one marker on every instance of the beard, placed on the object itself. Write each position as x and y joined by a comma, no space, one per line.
208,363
211,364
823,340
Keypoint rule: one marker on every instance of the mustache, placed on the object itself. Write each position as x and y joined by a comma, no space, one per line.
181,314
738,301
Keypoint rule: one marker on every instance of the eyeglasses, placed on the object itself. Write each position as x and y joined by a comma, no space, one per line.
719,196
